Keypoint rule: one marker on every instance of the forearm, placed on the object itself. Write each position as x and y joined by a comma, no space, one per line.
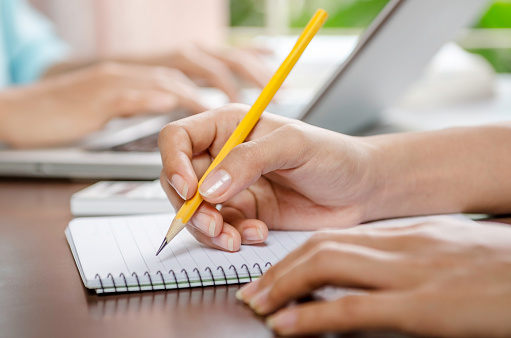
452,170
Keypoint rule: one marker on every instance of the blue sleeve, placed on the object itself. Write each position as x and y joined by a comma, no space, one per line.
30,42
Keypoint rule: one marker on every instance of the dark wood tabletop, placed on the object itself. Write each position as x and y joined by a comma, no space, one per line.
42,295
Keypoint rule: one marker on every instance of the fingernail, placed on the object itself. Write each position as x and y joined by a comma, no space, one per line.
283,322
260,302
216,184
204,222
252,234
224,241
179,185
247,291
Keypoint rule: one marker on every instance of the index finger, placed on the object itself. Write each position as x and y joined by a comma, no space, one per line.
180,140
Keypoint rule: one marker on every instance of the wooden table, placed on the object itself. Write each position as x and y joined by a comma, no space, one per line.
42,295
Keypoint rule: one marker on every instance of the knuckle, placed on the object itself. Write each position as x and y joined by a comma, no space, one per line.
170,134
295,134
322,255
239,109
351,308
318,237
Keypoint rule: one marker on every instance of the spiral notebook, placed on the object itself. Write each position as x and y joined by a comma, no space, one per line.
117,254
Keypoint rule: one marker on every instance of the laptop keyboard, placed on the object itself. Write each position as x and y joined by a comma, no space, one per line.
144,144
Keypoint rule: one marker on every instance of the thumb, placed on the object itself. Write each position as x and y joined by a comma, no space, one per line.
284,148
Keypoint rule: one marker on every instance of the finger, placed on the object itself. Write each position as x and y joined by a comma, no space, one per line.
372,311
252,231
330,264
169,81
182,87
228,239
244,63
181,140
195,61
131,101
245,164
206,219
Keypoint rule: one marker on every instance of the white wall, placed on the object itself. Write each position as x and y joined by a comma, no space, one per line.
99,28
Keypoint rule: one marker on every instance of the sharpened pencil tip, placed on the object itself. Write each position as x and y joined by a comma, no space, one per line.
163,244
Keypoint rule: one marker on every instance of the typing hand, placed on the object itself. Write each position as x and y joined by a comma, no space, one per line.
436,279
219,68
288,175
67,107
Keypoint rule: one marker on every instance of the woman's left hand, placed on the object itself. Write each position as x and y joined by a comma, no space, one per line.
430,279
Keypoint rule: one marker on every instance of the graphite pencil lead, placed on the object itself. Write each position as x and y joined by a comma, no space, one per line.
163,244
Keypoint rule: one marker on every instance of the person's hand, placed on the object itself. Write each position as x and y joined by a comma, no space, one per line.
67,107
437,279
287,175
219,68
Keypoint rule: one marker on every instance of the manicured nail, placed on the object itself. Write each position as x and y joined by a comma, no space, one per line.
216,184
224,241
247,291
252,234
283,322
179,185
204,222
260,302
230,244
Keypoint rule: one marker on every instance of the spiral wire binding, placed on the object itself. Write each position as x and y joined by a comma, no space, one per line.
162,279
211,273
125,282
248,271
150,279
236,271
223,272
100,281
188,279
175,278
200,277
259,267
138,281
113,281
183,272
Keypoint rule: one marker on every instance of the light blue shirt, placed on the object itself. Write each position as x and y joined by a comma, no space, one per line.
28,44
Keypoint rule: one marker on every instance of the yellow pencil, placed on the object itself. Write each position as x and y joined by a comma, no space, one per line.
249,121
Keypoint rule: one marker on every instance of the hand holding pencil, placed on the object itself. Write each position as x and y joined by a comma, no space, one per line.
245,127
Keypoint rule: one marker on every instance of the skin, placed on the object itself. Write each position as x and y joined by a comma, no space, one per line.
75,99
428,279
433,279
220,68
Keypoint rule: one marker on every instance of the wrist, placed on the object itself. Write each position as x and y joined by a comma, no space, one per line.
392,175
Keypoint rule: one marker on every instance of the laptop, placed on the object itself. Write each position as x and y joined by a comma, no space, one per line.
387,58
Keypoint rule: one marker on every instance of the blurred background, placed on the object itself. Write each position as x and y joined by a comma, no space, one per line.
111,27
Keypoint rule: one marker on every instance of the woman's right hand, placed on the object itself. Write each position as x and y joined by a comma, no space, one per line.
287,175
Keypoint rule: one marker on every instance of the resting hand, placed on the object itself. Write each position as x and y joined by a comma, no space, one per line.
67,107
287,175
431,279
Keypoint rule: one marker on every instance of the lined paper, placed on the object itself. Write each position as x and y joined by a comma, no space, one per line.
115,254
105,246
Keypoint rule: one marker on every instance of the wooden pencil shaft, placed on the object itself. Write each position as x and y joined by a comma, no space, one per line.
249,121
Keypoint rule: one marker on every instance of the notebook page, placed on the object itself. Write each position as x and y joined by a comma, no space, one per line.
127,245
113,251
